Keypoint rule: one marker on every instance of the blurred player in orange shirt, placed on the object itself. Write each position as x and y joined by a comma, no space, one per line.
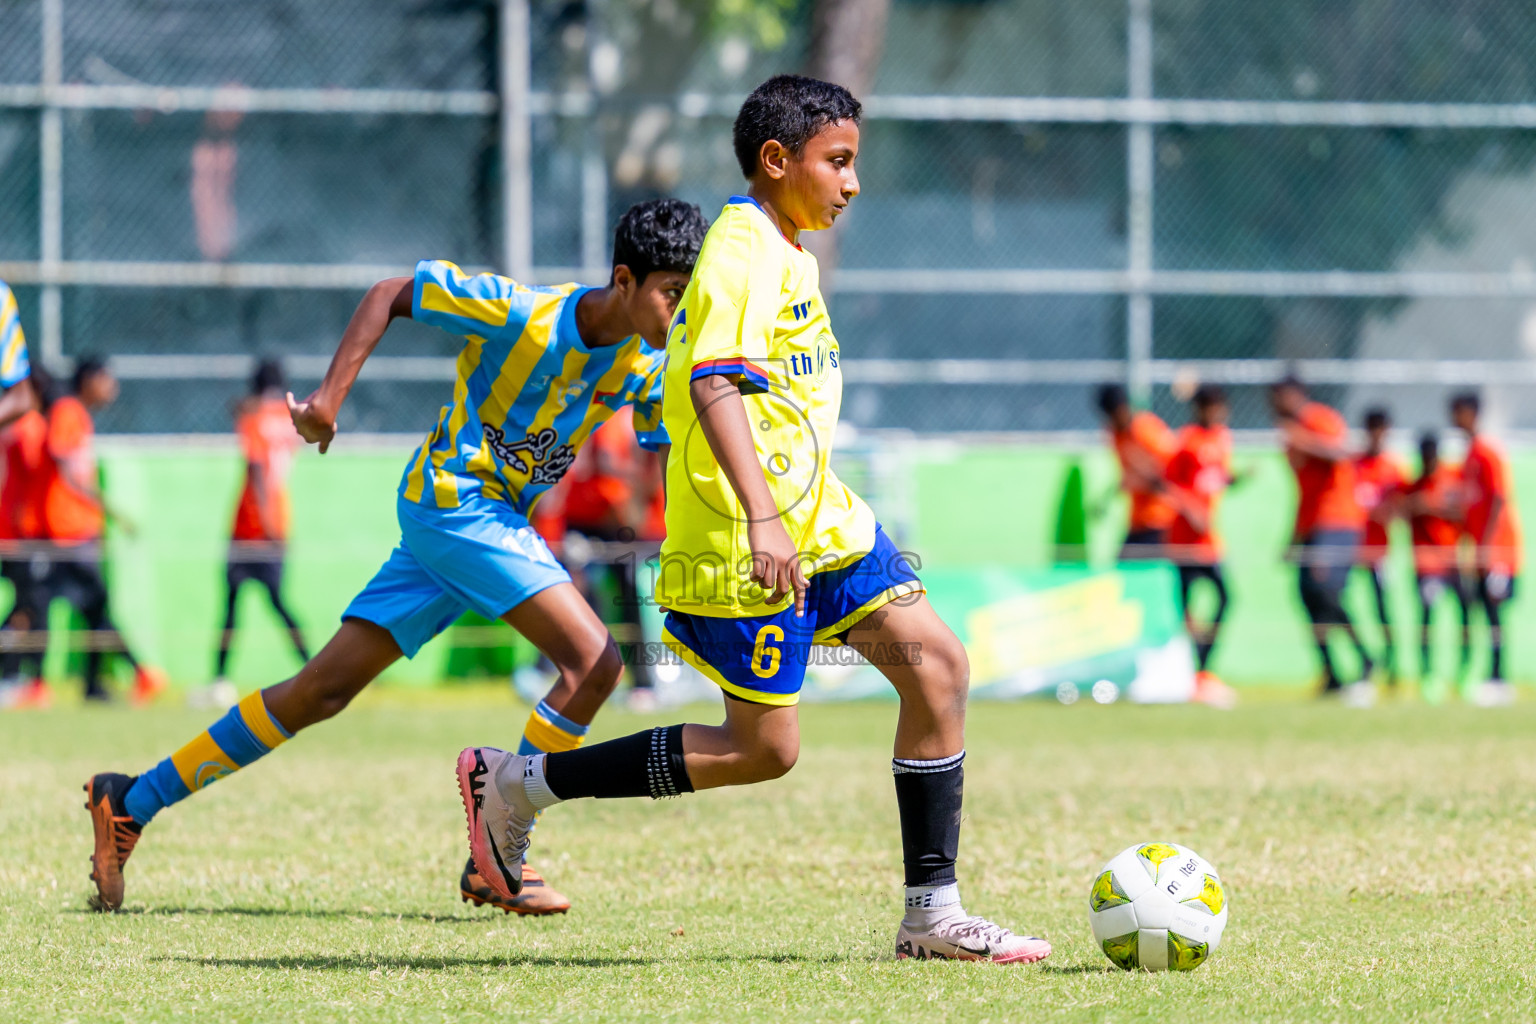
1491,521
1380,477
607,499
1430,503
259,537
1329,520
1198,473
1143,445
74,518
23,448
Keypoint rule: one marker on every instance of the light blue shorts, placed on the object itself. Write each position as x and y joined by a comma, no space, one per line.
481,555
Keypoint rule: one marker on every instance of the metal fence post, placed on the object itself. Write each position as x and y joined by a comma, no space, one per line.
1138,309
516,140
594,166
51,184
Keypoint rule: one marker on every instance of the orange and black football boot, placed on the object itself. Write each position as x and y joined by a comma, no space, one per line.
116,836
535,898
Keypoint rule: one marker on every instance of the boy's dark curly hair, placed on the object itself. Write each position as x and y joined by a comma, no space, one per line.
789,109
659,234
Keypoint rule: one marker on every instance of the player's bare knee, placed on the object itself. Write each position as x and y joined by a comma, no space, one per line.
946,673
602,675
774,758
325,697
321,691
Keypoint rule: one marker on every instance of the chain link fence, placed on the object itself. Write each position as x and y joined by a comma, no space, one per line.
1054,194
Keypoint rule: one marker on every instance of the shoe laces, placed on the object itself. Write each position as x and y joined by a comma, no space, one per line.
974,928
515,848
124,838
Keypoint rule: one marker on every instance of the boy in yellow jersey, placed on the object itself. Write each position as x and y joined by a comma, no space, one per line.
767,552
540,371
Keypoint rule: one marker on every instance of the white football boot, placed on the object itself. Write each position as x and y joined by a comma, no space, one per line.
500,815
960,937
1361,694
1495,693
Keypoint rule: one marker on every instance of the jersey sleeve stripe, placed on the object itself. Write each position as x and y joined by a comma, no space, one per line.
488,311
724,367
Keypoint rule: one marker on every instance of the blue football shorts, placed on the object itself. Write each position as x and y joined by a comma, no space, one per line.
482,555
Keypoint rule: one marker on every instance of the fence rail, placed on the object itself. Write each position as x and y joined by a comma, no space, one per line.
853,281
1466,372
1133,277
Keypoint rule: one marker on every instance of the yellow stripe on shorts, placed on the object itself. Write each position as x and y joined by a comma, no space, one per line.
825,635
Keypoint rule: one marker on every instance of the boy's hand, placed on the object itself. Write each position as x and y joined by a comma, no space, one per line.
776,563
315,424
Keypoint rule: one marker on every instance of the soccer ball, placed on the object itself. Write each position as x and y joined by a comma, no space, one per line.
1159,907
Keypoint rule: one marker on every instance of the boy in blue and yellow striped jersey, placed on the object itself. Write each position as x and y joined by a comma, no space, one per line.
540,370
16,393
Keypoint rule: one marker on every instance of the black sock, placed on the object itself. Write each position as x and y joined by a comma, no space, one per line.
1329,676
1203,653
647,763
928,796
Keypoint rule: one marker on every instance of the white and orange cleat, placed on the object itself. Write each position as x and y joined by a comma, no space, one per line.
499,814
968,938
34,696
1209,689
148,683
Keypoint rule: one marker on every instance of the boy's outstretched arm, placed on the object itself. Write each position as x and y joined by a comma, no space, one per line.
315,417
723,416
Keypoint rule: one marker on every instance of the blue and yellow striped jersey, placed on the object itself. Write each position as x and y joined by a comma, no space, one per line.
529,392
14,365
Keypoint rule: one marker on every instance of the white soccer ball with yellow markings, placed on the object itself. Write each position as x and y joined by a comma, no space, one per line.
1158,907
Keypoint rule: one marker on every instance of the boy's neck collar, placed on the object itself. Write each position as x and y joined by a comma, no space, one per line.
783,224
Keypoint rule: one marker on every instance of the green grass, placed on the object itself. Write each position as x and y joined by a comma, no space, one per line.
1379,867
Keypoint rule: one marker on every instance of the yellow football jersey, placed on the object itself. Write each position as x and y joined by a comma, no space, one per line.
753,320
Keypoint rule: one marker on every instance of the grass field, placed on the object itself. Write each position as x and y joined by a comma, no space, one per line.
1379,867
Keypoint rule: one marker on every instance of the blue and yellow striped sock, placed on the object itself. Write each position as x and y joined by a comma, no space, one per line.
244,734
549,732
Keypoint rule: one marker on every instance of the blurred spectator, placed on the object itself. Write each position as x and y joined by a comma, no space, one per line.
1380,478
1491,522
1430,503
74,517
214,159
1198,473
1329,521
609,498
24,448
259,538
1143,444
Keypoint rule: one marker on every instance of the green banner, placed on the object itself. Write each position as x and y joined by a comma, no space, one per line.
1050,632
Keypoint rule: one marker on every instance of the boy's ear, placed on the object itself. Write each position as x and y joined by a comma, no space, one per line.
623,279
774,158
